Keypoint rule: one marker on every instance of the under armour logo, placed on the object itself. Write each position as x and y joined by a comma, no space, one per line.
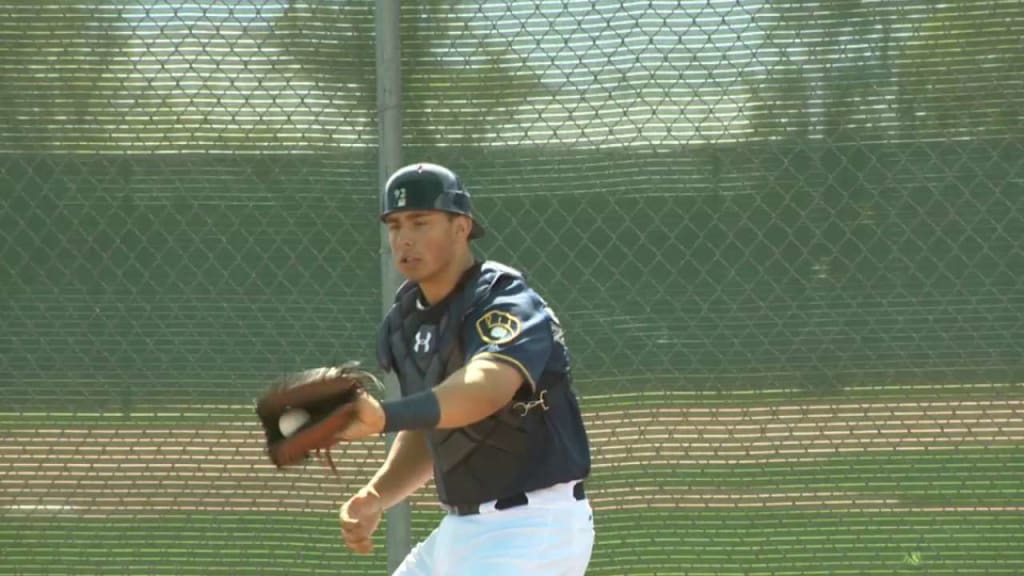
422,338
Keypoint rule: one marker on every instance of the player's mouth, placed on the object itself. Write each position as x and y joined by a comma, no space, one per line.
409,260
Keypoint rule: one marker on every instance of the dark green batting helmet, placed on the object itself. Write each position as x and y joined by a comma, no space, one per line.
426,186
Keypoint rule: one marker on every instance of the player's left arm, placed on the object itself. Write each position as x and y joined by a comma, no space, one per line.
476,391
470,394
509,345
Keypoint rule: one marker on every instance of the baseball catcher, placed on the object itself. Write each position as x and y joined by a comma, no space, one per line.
487,408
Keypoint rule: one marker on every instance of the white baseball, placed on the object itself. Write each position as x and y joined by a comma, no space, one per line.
292,420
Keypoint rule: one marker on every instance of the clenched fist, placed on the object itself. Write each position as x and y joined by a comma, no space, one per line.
359,517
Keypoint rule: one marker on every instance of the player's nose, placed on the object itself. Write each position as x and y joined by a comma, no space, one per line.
402,239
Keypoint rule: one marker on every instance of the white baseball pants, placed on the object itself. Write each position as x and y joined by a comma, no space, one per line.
552,535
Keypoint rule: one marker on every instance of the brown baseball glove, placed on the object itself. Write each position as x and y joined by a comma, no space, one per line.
303,413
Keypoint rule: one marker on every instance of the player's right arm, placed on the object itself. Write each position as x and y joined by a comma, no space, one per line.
407,468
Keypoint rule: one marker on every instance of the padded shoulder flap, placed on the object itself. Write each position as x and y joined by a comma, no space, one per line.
493,274
385,357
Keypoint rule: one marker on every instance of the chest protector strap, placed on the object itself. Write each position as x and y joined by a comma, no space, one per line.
475,463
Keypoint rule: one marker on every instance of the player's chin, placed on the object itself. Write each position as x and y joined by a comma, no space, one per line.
412,268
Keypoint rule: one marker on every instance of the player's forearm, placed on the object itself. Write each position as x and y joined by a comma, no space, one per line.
471,394
408,467
475,392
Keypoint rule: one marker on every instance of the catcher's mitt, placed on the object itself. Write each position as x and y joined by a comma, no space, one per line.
323,394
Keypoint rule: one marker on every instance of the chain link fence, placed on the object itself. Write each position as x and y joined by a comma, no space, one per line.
785,240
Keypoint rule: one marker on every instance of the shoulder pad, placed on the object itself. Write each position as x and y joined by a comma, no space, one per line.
391,318
492,271
404,289
492,275
384,355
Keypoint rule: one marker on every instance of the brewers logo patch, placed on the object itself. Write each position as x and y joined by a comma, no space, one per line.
497,327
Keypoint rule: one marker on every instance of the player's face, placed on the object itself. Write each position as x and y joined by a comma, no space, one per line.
423,243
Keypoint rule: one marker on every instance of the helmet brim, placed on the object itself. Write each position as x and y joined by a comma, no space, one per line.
477,231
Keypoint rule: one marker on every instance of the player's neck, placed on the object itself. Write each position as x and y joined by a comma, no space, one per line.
437,288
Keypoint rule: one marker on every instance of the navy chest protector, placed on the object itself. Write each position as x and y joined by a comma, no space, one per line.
483,461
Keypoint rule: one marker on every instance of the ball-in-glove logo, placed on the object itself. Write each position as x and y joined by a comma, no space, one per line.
497,327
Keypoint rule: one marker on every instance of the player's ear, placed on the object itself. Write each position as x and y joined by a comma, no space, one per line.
463,225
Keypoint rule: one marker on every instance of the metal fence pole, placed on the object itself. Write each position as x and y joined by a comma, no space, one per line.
389,122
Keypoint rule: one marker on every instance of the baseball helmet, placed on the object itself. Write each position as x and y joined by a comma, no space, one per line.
427,186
